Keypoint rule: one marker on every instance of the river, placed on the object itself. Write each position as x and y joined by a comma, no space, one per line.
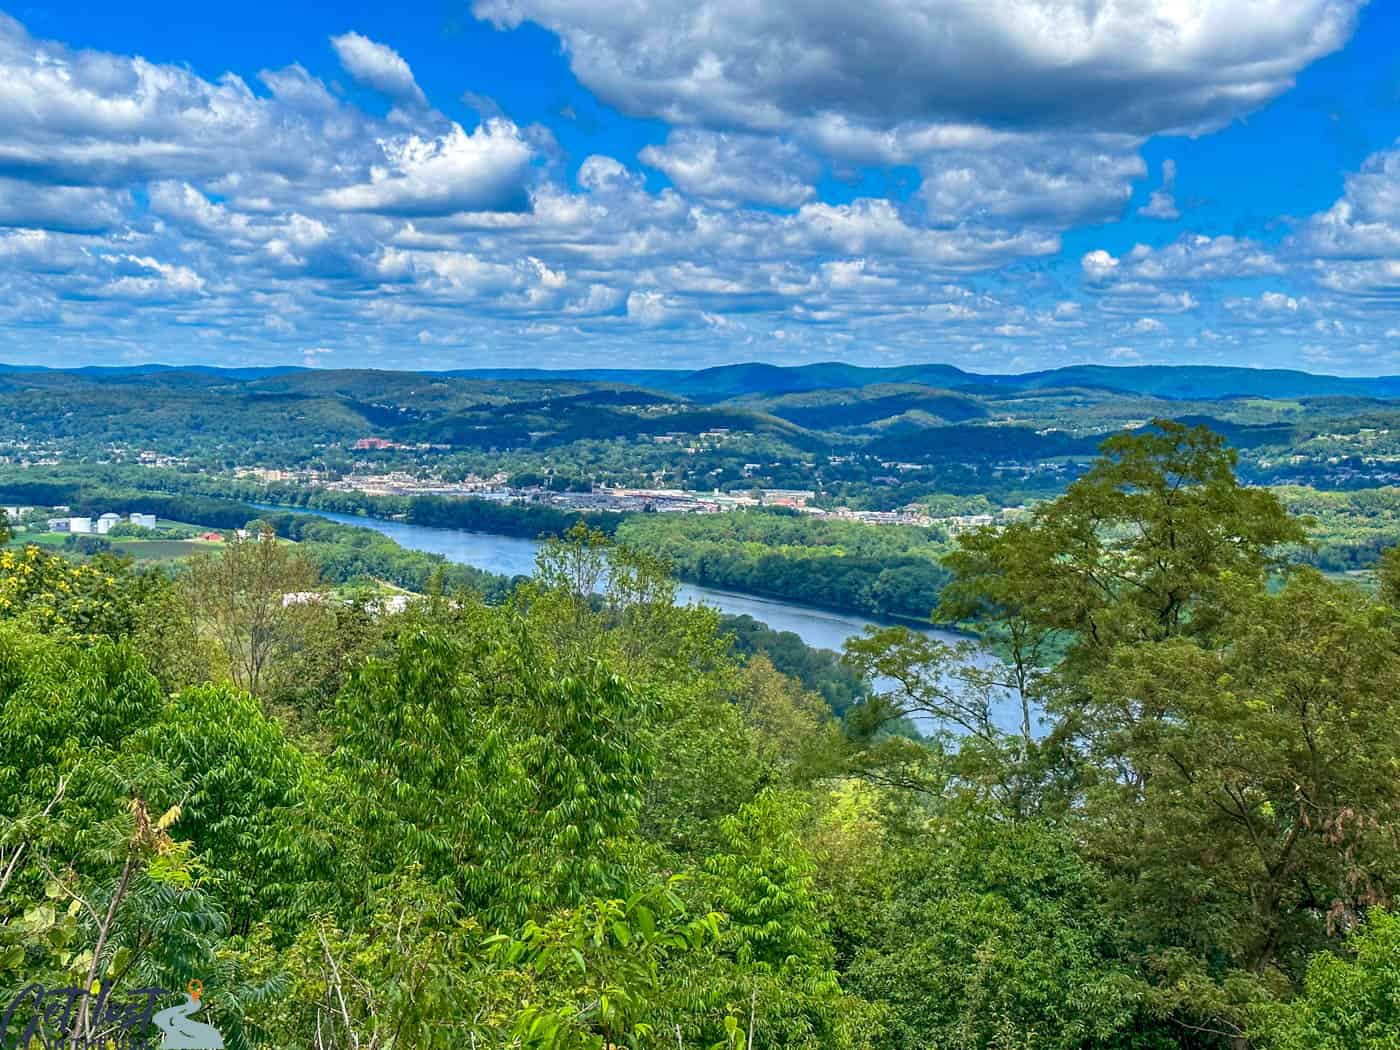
513,556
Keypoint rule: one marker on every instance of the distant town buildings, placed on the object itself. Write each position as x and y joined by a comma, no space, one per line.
795,498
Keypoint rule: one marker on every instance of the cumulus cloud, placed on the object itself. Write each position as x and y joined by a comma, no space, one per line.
86,118
1192,257
1162,204
142,204
379,67
1268,308
1126,65
75,209
1053,180
92,118
650,308
734,167
141,277
448,173
1364,223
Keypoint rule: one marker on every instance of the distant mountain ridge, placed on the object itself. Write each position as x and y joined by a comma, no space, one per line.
722,382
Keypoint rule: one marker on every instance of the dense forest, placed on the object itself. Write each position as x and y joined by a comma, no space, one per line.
578,815
885,571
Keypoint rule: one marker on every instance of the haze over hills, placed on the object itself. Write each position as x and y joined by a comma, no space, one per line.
1176,382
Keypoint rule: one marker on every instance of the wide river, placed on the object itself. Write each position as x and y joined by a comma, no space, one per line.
512,556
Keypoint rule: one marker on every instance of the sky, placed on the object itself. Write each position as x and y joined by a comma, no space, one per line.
1003,185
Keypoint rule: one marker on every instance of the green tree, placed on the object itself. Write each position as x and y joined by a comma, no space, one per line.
1349,1002
996,934
258,598
1243,794
1135,550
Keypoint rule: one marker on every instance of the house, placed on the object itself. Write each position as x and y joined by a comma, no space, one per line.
106,521
393,603
58,524
16,513
212,537
146,521
80,526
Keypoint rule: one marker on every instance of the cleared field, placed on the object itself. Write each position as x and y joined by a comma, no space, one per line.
158,550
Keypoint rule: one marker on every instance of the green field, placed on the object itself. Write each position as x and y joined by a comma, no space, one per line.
158,550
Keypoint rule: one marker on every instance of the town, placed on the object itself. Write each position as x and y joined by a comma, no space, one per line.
627,500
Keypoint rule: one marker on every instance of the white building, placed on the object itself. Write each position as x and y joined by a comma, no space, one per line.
15,513
146,521
58,524
80,526
105,523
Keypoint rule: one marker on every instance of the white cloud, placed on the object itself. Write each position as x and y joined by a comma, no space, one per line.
1098,264
734,167
1268,308
379,67
146,278
1057,180
75,209
1127,65
143,206
453,172
1365,222
1192,257
650,308
1162,204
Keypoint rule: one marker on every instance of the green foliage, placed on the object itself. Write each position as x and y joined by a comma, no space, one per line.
90,600
998,935
577,816
887,571
1266,771
248,784
1349,1002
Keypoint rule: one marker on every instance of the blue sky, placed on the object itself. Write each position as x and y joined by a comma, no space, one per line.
561,183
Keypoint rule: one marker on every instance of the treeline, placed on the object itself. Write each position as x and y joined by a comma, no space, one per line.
1347,530
882,571
819,670
527,521
342,553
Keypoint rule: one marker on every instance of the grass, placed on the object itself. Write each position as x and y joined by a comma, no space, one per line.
158,550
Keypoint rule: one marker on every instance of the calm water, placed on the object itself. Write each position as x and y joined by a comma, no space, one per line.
512,556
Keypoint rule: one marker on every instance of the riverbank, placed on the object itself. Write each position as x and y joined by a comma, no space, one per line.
889,573
514,556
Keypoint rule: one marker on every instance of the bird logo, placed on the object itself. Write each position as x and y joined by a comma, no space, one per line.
181,1031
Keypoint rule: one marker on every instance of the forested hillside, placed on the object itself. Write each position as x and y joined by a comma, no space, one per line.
579,816
869,438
